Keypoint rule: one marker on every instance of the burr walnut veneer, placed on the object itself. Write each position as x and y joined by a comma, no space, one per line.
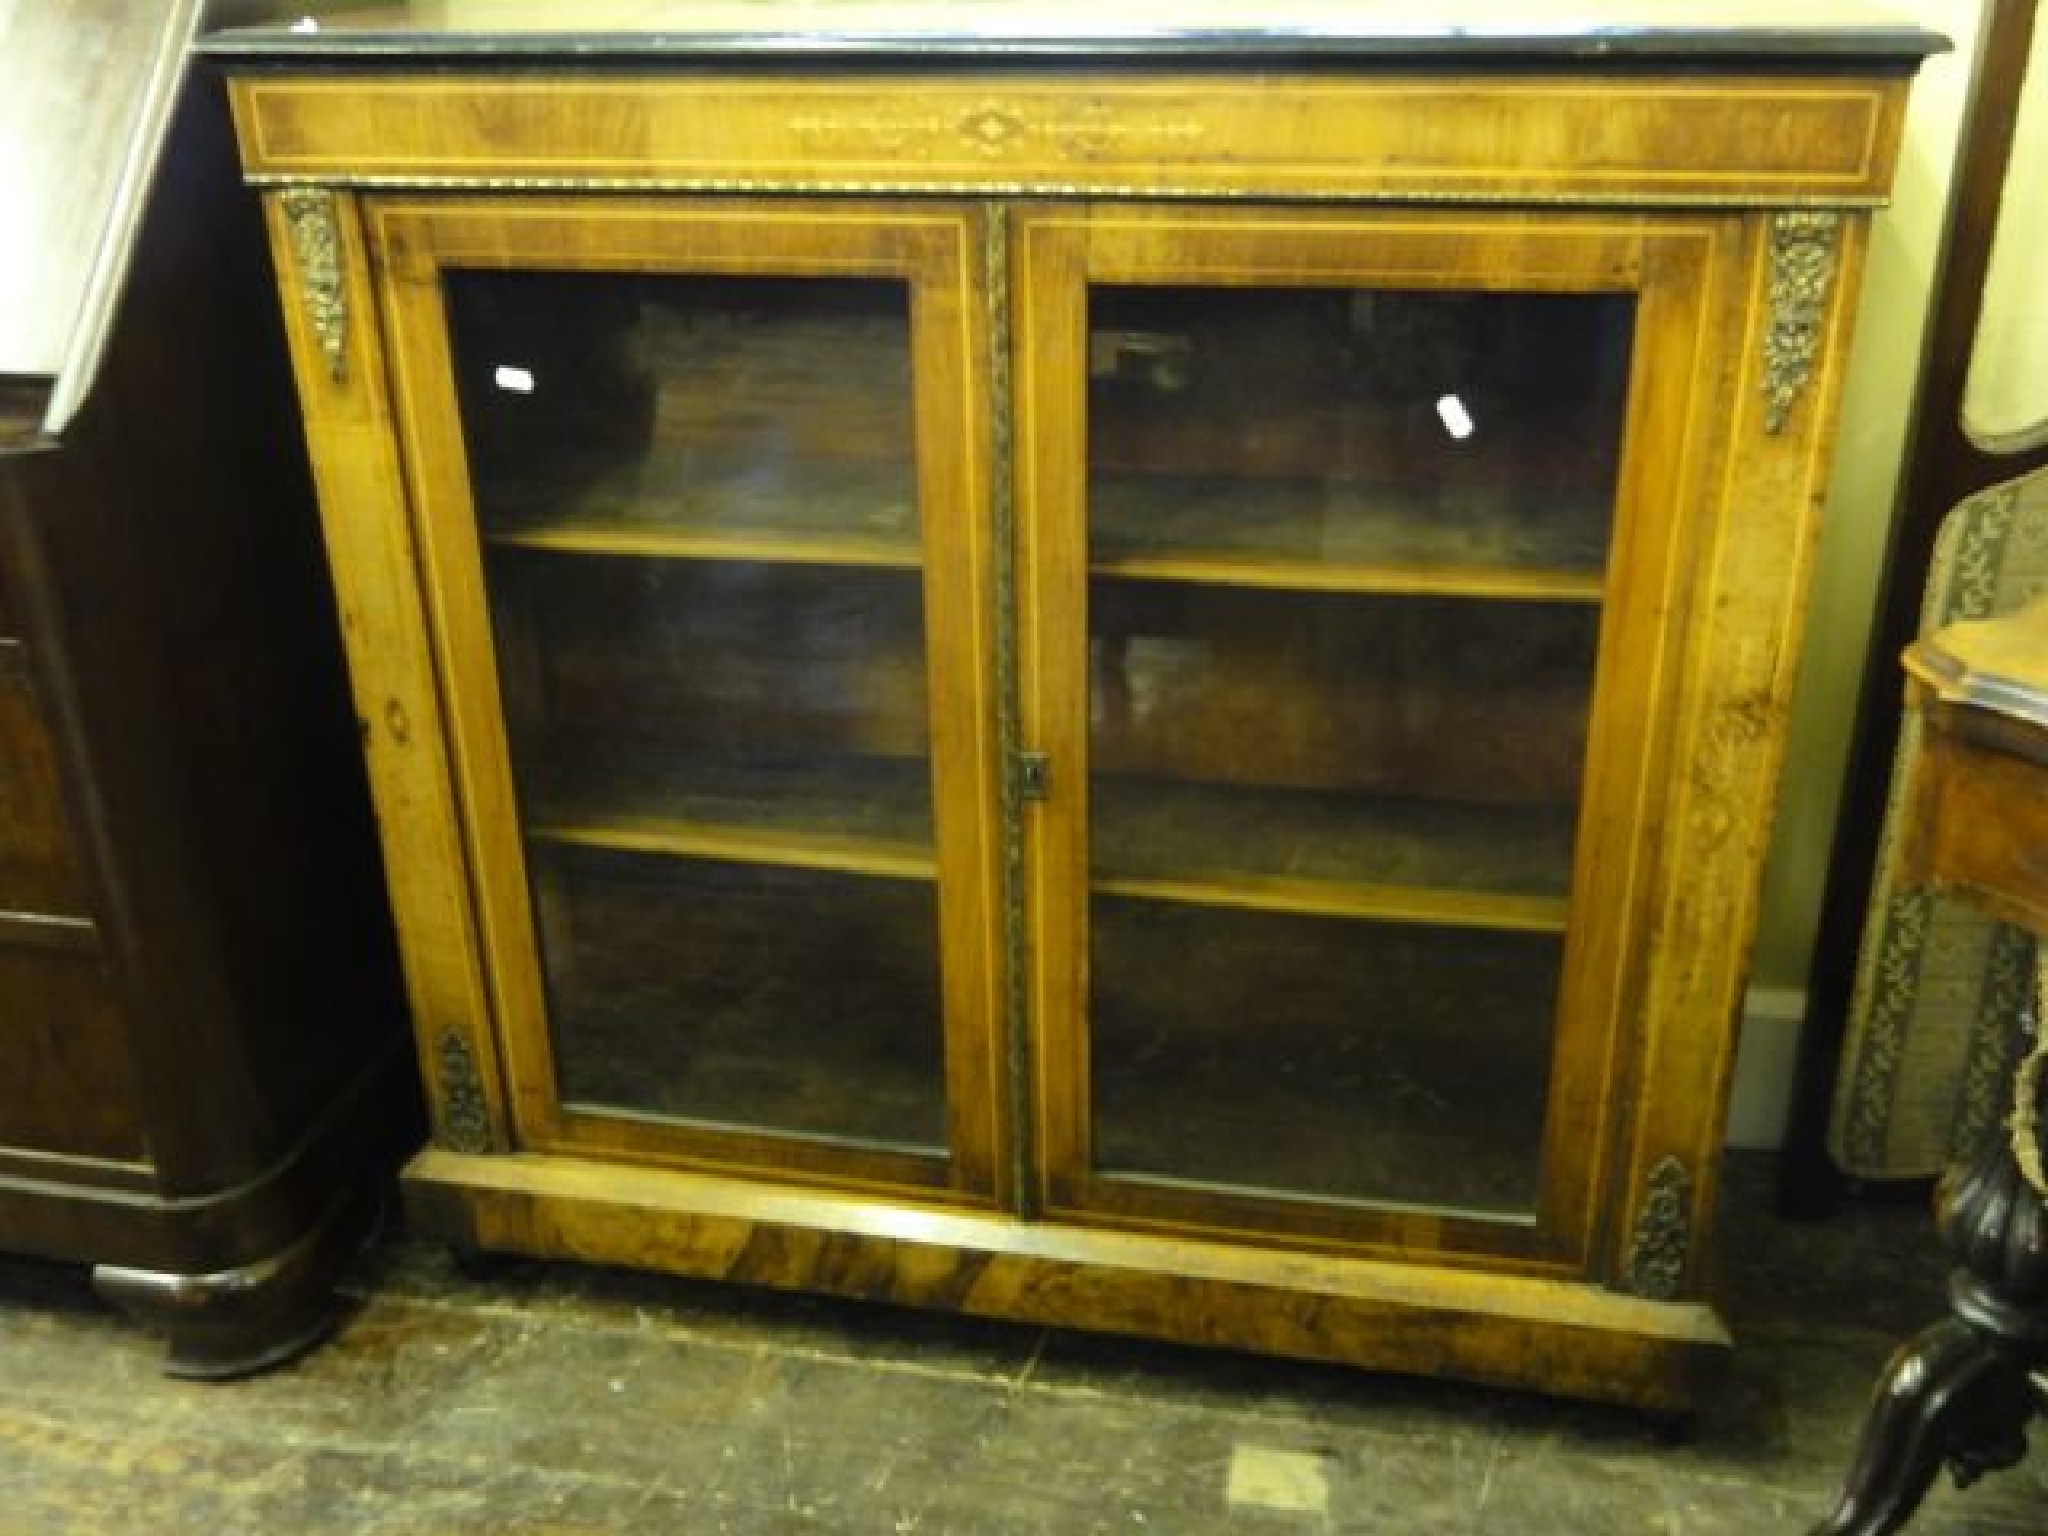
1126,680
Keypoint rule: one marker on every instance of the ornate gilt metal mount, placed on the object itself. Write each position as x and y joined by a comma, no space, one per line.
464,1125
309,214
1663,1235
1804,246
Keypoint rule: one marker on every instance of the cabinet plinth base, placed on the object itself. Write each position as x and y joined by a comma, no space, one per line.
239,1321
1552,1335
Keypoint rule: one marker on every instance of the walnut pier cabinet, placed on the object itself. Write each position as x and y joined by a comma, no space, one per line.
1129,679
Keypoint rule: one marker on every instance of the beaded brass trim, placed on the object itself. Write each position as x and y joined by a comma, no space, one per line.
1003,523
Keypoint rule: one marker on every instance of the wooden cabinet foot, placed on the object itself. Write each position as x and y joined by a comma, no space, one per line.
236,1322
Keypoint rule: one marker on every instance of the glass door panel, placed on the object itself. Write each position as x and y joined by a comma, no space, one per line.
1342,550
1354,816
725,778
679,515
697,504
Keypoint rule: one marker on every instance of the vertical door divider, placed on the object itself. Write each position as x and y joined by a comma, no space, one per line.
1009,746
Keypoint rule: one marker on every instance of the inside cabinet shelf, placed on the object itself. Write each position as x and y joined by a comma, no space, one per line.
864,516
1315,537
858,815
1335,854
1217,845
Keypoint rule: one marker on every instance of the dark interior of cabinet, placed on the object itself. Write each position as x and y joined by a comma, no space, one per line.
727,794
691,408
1354,429
743,995
1443,700
1331,843
1307,1056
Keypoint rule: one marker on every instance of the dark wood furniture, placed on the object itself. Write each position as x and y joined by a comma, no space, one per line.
199,1015
998,676
1963,1392
1943,467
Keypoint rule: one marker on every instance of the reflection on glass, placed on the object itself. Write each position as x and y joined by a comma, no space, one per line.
1469,431
1309,1056
696,498
1347,555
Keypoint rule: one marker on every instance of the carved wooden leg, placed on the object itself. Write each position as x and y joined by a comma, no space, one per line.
1963,1392
1947,1397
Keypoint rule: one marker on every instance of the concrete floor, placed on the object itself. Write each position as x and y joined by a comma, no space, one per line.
553,1399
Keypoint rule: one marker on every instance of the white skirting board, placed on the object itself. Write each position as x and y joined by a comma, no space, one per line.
1761,1098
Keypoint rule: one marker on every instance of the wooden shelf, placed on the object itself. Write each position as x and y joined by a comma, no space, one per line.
666,544
864,816
1383,858
1374,903
857,515
1300,535
1380,858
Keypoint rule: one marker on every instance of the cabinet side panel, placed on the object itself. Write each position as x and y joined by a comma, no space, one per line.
191,643
1759,521
337,354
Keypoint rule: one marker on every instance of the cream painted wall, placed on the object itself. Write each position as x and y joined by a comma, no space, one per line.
1890,330
2006,403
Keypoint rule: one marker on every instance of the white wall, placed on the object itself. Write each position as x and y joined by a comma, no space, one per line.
1890,331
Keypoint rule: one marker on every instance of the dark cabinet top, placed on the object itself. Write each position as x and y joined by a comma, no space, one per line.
1470,32
90,85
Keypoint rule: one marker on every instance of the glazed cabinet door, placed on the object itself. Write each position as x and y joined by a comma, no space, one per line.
1353,545
697,490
